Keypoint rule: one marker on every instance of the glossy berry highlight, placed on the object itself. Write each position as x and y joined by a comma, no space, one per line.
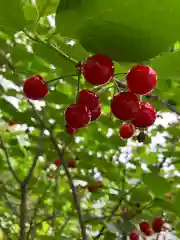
126,130
89,99
141,79
157,224
125,106
77,116
98,69
35,88
145,117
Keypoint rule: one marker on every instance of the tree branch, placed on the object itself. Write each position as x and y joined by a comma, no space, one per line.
60,154
163,102
153,97
37,38
8,161
23,212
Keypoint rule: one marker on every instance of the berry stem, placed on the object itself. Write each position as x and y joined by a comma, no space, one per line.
78,85
61,77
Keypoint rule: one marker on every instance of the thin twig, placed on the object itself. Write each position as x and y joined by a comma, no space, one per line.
78,86
61,77
35,160
163,102
153,97
10,206
8,161
64,163
39,201
115,209
64,225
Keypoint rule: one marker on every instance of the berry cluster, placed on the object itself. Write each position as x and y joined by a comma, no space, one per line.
127,106
145,228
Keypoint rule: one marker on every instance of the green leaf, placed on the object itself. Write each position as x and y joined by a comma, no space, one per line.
46,7
167,65
30,12
11,16
140,195
69,17
105,27
157,184
54,57
164,204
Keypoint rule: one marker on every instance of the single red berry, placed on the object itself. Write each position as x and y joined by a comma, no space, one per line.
145,117
70,130
126,130
11,124
134,236
77,115
98,69
99,185
91,188
157,224
96,113
58,162
144,226
148,232
72,164
35,88
141,79
125,106
89,99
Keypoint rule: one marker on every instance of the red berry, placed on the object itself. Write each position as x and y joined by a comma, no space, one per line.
99,185
98,69
71,164
146,116
89,99
70,130
35,88
91,188
58,162
125,106
126,130
157,224
141,79
134,236
11,124
77,115
95,114
144,226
